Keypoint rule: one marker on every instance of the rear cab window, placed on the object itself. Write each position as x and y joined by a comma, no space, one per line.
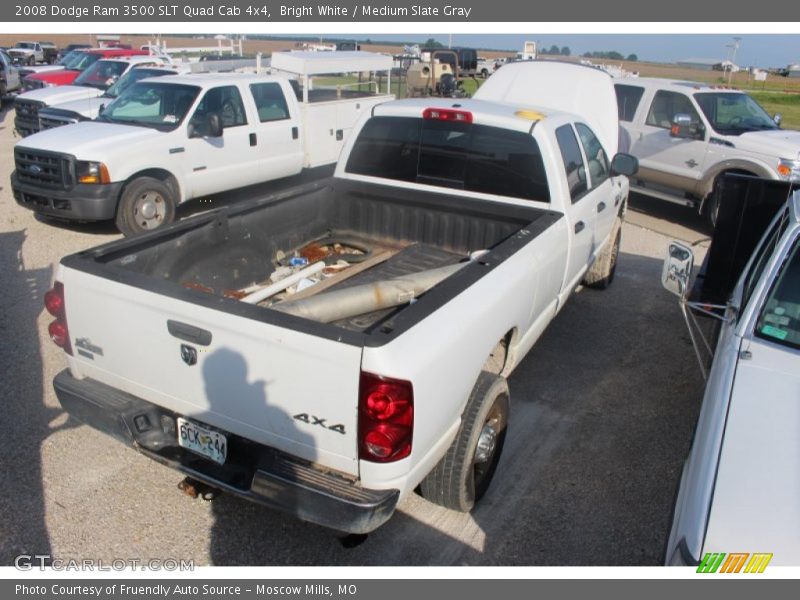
472,157
628,98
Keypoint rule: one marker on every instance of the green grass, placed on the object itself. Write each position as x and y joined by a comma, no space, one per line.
786,104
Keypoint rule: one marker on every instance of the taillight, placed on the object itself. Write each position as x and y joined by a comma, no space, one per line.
385,418
58,330
447,114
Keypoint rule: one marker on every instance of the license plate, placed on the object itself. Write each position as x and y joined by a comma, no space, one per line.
197,438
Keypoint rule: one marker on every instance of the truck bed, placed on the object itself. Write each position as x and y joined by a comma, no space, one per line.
202,258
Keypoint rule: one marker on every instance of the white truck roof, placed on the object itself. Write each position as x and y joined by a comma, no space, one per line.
677,85
496,114
567,87
211,79
319,63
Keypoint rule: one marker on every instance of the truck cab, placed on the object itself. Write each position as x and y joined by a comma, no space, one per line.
686,135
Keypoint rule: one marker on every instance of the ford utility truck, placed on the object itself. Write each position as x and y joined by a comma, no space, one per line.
465,226
168,140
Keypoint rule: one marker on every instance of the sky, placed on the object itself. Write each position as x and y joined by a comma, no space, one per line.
760,50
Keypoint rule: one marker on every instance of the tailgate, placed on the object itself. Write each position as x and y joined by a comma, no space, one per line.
292,391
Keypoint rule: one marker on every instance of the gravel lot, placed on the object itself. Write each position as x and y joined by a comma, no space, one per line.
603,411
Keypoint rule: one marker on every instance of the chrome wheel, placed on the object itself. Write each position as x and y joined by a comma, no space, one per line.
149,210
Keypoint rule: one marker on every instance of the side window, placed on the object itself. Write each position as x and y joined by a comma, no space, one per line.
573,162
668,104
599,169
226,101
761,258
628,97
779,320
270,102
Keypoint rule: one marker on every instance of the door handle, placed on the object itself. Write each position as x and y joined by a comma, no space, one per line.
253,139
601,207
579,226
295,133
189,333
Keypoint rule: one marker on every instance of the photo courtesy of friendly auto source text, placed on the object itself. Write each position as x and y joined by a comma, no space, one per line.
401,285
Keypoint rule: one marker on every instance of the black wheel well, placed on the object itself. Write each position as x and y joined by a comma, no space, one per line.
163,176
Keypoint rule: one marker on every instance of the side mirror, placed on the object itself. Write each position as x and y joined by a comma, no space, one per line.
684,127
214,125
677,269
101,109
624,164
777,119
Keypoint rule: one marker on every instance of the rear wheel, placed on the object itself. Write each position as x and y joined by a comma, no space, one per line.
31,61
146,204
462,477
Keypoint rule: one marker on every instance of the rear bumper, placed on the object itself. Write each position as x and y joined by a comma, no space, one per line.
252,471
83,202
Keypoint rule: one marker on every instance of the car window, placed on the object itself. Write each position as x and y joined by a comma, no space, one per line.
460,155
573,162
628,97
668,104
761,257
599,169
270,102
779,320
225,101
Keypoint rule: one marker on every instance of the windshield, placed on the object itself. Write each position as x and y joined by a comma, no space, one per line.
70,58
131,77
102,74
733,114
25,45
84,61
151,104
779,321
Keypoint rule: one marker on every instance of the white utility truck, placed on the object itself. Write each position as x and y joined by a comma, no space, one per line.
328,349
167,140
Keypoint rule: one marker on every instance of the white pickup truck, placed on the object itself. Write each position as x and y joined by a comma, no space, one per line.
687,135
168,140
475,220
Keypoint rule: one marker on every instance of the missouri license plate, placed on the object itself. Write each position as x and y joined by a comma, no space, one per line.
197,438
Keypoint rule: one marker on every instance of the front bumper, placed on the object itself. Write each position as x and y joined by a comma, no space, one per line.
252,471
83,202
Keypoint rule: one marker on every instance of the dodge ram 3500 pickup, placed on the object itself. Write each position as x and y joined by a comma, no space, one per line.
464,227
168,140
687,134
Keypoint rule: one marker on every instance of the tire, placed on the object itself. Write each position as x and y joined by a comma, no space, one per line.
601,273
31,61
463,475
145,204
485,73
711,208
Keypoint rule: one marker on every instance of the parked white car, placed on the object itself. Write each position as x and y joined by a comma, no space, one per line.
740,485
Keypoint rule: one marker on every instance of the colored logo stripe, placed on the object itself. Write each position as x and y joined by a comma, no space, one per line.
734,562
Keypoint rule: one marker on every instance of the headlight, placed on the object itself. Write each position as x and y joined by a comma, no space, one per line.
789,169
89,171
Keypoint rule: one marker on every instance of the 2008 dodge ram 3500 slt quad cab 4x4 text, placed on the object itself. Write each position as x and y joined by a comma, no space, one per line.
168,140
466,226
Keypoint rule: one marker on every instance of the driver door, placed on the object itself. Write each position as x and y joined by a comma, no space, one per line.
216,164
672,161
